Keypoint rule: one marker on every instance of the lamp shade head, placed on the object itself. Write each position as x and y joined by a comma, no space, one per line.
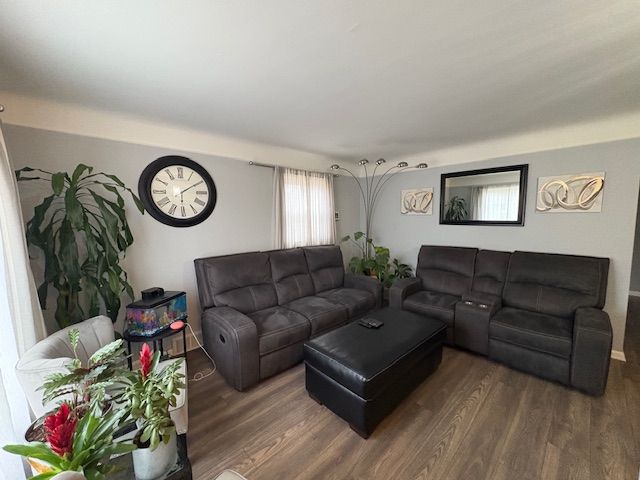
364,161
380,161
335,166
422,165
403,164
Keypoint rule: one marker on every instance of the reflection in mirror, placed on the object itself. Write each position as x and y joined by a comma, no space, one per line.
492,196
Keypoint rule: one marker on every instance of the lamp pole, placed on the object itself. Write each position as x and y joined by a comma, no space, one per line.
372,187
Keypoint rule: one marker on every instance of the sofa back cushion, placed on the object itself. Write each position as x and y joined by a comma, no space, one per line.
242,282
490,271
325,266
290,275
446,269
555,284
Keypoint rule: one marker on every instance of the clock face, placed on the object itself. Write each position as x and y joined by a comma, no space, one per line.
177,191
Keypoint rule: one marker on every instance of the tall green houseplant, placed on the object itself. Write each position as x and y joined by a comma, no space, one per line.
83,236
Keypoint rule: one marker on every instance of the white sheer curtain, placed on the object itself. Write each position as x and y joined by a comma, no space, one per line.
496,202
20,316
303,208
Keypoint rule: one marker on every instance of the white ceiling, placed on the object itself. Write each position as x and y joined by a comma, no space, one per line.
337,77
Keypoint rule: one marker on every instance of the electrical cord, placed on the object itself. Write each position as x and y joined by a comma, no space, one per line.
209,371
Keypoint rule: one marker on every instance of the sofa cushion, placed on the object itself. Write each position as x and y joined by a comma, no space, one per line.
321,313
446,269
555,284
325,266
290,274
242,282
279,327
490,271
535,331
358,302
432,304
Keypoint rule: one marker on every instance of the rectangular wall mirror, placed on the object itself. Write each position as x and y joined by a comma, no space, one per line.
492,196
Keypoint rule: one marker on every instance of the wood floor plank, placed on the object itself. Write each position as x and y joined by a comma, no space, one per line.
471,419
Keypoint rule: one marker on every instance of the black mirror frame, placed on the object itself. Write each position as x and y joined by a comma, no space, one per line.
524,173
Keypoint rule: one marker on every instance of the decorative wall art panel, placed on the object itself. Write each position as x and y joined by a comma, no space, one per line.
417,202
580,193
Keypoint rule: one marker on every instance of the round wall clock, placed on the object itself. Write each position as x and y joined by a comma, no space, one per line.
177,191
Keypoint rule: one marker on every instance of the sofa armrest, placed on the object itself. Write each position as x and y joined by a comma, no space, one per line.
592,339
401,289
362,282
483,301
231,338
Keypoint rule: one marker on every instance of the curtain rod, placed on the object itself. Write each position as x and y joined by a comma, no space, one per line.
266,165
256,164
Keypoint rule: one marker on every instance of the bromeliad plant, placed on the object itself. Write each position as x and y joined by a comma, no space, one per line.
149,395
76,444
379,264
78,212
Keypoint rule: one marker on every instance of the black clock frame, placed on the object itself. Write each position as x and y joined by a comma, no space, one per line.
144,190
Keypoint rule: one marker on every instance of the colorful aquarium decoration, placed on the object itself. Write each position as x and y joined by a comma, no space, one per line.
148,317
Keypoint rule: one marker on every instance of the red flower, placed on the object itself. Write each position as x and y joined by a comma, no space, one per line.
59,428
145,360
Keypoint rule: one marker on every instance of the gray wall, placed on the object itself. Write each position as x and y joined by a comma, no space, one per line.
635,267
608,234
161,255
347,200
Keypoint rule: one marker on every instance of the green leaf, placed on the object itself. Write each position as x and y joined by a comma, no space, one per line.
346,238
80,169
37,450
57,182
74,209
358,235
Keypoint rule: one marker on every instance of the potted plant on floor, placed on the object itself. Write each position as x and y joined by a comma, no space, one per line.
78,213
150,393
379,264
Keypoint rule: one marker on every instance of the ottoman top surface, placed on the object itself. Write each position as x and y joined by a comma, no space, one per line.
363,352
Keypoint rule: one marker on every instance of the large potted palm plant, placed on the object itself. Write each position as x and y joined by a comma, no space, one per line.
83,236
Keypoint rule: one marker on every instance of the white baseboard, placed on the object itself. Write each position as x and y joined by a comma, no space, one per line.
633,293
618,355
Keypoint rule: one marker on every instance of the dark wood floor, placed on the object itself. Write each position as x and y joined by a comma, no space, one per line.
472,419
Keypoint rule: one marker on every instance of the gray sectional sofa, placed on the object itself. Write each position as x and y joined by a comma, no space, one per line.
536,312
260,307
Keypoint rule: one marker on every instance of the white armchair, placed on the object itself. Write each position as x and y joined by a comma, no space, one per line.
54,352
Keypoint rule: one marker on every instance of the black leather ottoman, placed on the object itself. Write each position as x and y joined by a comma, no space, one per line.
362,374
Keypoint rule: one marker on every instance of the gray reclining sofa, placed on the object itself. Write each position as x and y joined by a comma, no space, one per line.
260,307
537,312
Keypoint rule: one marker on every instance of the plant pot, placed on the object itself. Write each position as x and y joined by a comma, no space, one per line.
149,465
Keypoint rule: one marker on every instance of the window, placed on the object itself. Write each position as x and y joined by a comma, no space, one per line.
303,208
496,202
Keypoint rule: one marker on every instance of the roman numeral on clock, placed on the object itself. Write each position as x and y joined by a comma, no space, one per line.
168,172
180,172
163,201
183,211
159,191
201,192
164,183
195,212
172,208
199,202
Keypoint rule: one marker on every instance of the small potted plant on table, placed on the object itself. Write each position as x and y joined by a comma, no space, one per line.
150,393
